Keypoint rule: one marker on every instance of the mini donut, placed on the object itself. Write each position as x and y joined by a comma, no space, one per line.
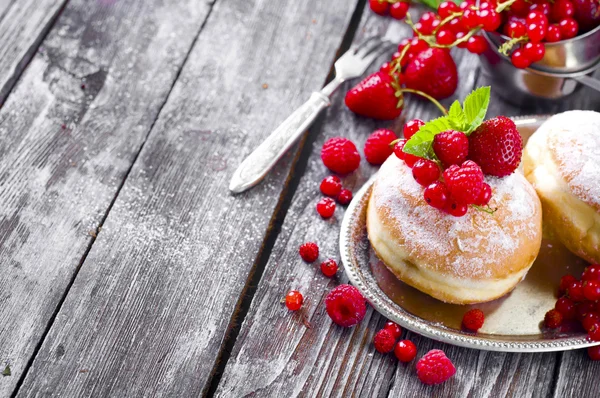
462,260
562,162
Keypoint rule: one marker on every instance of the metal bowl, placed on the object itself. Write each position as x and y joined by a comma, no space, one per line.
565,56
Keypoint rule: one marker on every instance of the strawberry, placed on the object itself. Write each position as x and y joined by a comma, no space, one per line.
432,71
375,97
496,146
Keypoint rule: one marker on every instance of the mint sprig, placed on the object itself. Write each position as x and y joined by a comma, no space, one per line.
466,119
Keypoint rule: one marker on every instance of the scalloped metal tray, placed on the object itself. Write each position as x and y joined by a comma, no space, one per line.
513,323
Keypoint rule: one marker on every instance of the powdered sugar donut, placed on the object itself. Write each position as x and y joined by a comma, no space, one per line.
562,161
471,259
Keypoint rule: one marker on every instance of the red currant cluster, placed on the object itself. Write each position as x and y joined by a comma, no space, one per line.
396,8
332,188
579,303
463,181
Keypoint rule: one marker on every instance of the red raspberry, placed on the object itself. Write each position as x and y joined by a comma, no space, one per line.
464,183
393,328
451,147
294,300
405,351
575,291
412,127
436,195
329,268
384,341
331,186
473,319
594,353
345,305
591,273
553,319
591,290
565,282
435,368
566,307
425,172
309,252
344,197
455,209
377,147
484,196
340,155
496,146
432,71
326,207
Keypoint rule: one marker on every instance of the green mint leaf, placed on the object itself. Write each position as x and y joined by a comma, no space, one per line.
456,116
6,371
475,107
430,3
420,144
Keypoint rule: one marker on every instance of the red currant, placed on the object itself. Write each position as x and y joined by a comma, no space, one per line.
575,291
326,207
459,36
446,8
425,171
412,127
416,46
398,10
490,19
520,7
427,22
379,6
553,33
476,45
594,332
568,28
393,328
470,19
590,321
344,197
516,29
386,68
455,209
542,7
484,196
534,51
561,9
398,149
331,186
591,273
536,31
566,307
294,300
403,43
591,290
329,267
410,160
436,195
519,59
594,353
583,309
565,282
405,351
445,36
455,25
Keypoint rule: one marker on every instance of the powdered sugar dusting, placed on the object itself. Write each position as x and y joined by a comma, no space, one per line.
440,241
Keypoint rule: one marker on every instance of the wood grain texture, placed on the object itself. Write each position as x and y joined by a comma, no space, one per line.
577,376
23,25
149,309
57,183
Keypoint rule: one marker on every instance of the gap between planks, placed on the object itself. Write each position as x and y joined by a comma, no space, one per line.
299,164
114,199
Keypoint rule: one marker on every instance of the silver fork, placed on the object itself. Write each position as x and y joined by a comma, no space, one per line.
350,65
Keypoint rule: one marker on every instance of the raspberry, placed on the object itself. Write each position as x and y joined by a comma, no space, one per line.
309,252
436,195
565,282
384,341
405,351
484,196
575,291
455,209
435,368
566,307
331,186
377,147
329,268
553,319
473,319
340,155
451,147
496,146
412,127
344,197
465,182
591,290
393,328
345,305
591,273
425,172
594,353
294,300
326,207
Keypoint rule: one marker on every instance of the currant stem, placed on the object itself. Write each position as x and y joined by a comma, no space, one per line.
487,209
429,97
502,6
507,46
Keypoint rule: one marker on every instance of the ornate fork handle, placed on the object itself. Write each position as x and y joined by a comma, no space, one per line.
259,162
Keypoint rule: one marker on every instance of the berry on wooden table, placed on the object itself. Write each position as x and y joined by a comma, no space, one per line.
329,267
374,97
294,300
379,6
331,186
473,319
398,10
340,155
345,197
326,207
393,328
377,147
451,147
384,341
435,368
309,252
405,351
345,305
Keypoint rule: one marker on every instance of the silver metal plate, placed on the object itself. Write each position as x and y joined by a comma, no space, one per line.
513,323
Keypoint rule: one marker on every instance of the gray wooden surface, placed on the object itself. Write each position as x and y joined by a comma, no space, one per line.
128,268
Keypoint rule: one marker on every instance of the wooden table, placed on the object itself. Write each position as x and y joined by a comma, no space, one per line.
127,267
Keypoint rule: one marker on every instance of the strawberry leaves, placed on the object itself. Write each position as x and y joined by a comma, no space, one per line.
466,119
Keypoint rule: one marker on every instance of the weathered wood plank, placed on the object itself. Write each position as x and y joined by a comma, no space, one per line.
276,355
57,183
150,307
23,25
577,376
